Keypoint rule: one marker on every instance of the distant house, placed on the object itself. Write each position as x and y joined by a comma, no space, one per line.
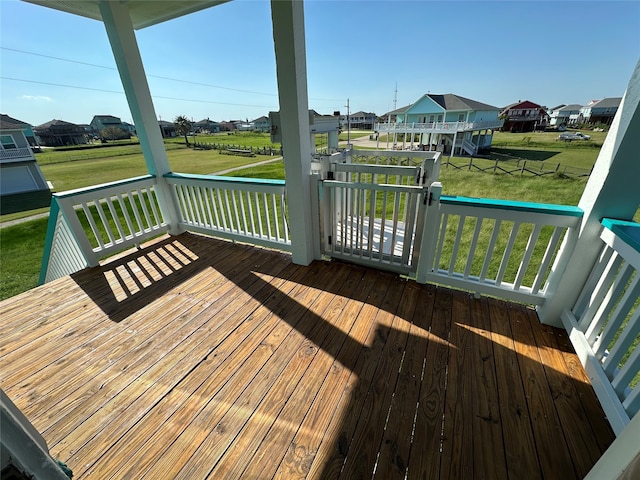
392,116
242,125
262,124
130,127
22,184
57,133
565,115
89,131
206,126
600,111
227,126
168,129
448,123
100,122
27,129
359,120
523,116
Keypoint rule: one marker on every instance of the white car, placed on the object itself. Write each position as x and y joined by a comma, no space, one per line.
567,137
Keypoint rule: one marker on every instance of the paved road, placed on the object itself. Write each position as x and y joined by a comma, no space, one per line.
221,172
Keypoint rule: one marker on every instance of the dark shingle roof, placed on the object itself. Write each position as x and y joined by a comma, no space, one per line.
450,101
608,102
398,110
5,125
15,121
55,122
567,108
109,118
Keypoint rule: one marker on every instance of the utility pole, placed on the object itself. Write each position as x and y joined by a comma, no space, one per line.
395,97
348,125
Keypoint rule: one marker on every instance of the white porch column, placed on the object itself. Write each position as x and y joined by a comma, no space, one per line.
291,67
117,22
453,147
612,191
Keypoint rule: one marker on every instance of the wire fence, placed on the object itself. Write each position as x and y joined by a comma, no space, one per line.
239,149
519,167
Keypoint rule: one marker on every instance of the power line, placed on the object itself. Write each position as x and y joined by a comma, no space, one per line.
155,76
122,93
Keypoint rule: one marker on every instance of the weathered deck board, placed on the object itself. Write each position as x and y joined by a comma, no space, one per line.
515,416
197,358
489,460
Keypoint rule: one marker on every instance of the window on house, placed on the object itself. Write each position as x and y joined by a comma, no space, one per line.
440,118
432,118
7,142
461,117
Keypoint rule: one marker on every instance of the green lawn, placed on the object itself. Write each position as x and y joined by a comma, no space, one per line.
354,134
248,139
21,248
542,147
83,173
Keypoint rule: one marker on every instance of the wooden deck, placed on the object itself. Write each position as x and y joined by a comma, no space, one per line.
197,358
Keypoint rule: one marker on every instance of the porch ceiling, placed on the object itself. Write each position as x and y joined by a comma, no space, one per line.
143,13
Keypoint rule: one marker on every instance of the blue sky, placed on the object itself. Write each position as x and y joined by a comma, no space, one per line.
219,63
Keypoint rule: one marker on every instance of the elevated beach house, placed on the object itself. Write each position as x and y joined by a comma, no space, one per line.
447,123
22,184
350,321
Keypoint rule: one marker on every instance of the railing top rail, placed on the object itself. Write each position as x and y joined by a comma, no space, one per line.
374,186
396,153
103,186
627,231
544,208
217,178
369,168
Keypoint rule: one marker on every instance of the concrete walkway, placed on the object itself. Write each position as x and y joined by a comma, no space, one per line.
221,172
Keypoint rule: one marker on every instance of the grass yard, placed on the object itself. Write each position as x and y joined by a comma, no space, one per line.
21,248
82,173
354,134
542,147
248,139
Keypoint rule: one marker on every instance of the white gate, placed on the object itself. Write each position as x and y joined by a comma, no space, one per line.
374,214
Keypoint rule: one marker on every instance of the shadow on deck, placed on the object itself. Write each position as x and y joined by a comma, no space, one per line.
198,358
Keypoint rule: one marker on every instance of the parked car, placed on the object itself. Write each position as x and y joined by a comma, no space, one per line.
567,137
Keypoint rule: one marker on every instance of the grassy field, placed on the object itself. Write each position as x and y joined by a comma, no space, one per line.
543,147
81,173
248,139
21,248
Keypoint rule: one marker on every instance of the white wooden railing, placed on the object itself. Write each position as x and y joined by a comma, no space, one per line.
495,247
90,223
443,127
16,154
244,209
604,323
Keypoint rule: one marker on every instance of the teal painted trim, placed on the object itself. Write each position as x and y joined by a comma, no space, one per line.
546,208
217,178
627,231
54,210
103,186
